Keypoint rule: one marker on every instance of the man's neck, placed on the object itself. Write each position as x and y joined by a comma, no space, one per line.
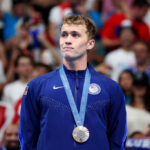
127,48
138,102
142,62
75,65
142,66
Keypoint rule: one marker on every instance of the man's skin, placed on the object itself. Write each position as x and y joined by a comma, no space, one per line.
10,140
74,43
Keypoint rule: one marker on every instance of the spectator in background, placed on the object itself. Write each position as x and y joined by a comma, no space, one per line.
138,10
57,13
95,15
138,112
40,69
111,7
22,42
26,40
14,91
44,7
141,50
35,28
123,57
126,82
11,18
48,38
44,38
6,115
10,140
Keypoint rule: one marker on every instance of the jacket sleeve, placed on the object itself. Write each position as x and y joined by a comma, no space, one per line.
117,119
29,125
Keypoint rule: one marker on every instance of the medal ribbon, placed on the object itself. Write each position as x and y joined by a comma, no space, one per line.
78,117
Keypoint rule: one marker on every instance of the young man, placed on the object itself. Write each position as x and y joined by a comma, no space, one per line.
73,107
14,90
141,49
123,57
10,139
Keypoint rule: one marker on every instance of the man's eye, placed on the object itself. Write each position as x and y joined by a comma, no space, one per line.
76,35
64,34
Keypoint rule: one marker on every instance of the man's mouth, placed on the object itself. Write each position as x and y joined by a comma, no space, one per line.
67,48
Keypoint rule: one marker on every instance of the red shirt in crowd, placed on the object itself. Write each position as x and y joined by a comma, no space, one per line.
109,29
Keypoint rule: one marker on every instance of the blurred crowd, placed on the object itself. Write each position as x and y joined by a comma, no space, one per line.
29,37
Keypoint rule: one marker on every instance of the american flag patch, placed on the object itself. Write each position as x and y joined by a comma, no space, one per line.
26,91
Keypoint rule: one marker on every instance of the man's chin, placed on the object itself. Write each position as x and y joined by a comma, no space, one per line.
12,148
73,58
70,58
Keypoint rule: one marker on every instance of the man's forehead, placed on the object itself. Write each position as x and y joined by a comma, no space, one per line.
24,60
73,27
11,128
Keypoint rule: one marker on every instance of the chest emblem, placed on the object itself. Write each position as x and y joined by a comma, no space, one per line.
94,89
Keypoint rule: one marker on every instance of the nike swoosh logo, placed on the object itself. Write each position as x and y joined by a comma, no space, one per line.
57,87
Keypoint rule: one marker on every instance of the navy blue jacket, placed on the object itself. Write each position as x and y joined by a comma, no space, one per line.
46,121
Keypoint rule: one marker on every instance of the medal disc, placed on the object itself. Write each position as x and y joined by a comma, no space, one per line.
80,134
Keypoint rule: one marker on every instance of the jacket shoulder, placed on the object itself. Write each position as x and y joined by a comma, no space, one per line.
44,78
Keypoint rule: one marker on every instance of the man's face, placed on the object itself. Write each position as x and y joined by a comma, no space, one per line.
140,12
74,41
11,137
126,81
19,9
127,37
24,67
141,52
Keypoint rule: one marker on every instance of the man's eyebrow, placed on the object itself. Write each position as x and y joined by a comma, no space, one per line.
74,32
64,31
70,32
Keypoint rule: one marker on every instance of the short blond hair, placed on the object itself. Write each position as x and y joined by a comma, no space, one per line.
81,20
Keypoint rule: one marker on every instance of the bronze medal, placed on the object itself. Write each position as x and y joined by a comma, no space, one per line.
80,134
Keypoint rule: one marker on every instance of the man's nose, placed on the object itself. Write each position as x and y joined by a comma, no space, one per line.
14,137
68,40
68,43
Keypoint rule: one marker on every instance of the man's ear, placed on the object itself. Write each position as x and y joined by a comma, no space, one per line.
91,44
